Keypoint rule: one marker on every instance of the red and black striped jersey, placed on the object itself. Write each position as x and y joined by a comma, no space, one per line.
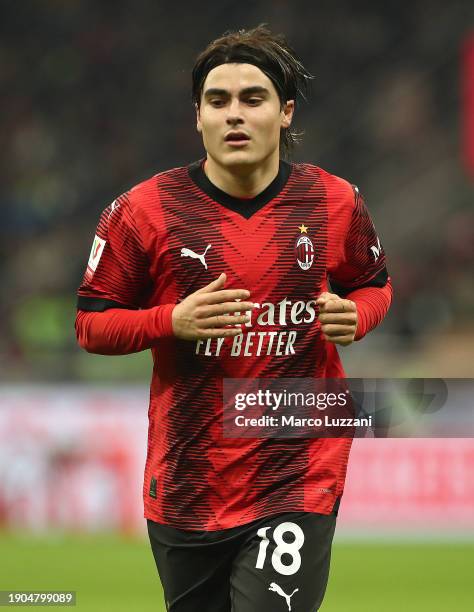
308,231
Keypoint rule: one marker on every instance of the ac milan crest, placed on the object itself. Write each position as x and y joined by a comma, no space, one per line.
304,251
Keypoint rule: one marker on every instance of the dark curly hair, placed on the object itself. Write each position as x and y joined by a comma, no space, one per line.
269,52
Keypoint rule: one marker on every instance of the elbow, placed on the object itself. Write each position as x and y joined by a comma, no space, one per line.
82,326
90,334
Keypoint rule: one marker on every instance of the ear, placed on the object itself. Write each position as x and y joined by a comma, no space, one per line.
287,113
198,119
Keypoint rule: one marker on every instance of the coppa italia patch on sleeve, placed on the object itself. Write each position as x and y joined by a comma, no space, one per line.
96,253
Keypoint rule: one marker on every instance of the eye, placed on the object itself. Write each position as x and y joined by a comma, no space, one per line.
254,101
216,102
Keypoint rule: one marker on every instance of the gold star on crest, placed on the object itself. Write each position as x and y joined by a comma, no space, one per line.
303,229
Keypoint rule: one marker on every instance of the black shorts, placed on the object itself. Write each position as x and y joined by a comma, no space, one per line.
278,563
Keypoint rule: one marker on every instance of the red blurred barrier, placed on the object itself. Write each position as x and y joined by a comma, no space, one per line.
73,459
410,484
467,103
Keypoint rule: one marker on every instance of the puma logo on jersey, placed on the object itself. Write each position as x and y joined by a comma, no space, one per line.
114,206
188,253
277,589
376,250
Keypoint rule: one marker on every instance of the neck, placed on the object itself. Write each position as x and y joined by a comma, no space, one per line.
242,181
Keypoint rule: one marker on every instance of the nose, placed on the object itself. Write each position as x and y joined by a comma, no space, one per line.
234,116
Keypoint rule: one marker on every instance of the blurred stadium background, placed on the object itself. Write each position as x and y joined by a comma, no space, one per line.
97,98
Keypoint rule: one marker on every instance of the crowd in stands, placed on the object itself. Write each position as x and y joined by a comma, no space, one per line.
97,98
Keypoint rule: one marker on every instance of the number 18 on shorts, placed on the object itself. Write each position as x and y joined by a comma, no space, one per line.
278,563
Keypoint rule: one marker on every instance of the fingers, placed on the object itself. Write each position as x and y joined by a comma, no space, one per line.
333,331
214,285
338,318
225,295
225,332
335,304
339,334
211,310
342,340
325,297
214,292
222,320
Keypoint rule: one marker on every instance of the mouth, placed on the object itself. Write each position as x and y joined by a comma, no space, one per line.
237,139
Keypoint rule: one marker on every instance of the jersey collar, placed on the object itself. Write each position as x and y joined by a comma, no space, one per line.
244,207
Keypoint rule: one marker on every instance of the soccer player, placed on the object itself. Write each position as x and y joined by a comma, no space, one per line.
238,265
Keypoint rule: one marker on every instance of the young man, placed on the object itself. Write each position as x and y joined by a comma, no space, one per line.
222,268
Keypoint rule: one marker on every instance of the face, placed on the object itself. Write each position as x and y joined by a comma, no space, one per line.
240,116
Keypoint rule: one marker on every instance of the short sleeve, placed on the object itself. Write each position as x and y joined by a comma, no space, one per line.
363,264
117,273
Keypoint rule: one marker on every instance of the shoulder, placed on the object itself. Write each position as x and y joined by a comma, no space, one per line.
338,190
141,206
149,189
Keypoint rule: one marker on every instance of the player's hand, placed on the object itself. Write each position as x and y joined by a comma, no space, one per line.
338,318
206,312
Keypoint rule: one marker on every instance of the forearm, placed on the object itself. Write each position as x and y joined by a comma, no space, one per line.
120,331
372,306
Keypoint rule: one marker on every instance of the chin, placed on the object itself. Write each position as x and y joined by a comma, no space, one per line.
235,159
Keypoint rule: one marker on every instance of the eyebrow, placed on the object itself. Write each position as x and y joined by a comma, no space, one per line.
255,89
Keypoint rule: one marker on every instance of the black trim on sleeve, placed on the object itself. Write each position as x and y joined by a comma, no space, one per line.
379,280
99,304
